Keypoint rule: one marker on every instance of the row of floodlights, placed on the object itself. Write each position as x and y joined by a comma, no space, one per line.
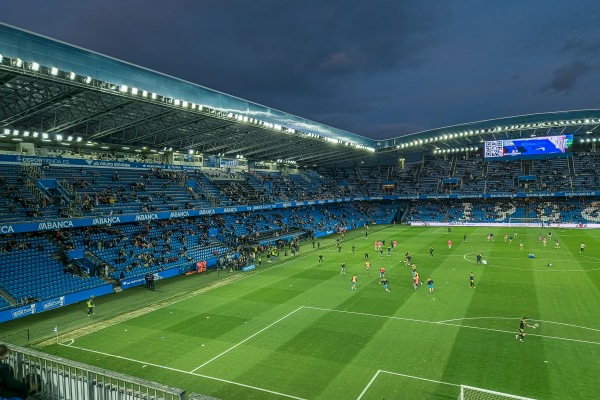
53,71
588,140
281,161
497,129
65,140
18,135
455,150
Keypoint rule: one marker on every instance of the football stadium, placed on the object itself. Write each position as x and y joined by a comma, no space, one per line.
161,240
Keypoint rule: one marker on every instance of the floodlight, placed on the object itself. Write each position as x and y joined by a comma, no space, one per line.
70,138
44,135
134,91
18,62
53,71
15,133
36,134
177,102
35,66
59,137
184,104
88,80
144,93
153,96
123,89
190,151
1,58
79,139
26,133
6,131
72,76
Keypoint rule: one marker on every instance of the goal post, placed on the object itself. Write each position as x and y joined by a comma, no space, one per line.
473,393
528,222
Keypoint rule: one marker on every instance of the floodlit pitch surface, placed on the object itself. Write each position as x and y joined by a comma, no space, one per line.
296,330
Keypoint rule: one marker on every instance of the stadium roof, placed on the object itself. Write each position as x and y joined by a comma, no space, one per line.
59,92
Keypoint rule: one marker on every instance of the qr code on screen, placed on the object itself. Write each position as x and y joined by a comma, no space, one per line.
494,149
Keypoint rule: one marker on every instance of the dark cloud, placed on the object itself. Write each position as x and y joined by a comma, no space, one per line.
377,69
566,77
590,46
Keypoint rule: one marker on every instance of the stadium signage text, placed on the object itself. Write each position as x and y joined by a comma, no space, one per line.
54,303
23,311
106,221
6,229
230,210
146,217
179,214
209,211
44,226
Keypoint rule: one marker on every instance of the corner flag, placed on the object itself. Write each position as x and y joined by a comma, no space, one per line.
56,329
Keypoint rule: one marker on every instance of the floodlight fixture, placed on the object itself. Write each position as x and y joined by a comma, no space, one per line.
44,135
72,76
79,139
15,132
70,138
26,133
134,91
177,102
18,63
35,66
36,134
53,71
185,104
88,80
123,88
190,151
6,131
1,58
153,96
59,137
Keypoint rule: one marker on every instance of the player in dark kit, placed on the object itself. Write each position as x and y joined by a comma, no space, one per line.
522,325
478,258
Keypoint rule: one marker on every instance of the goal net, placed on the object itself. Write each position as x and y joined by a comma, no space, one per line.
473,393
527,222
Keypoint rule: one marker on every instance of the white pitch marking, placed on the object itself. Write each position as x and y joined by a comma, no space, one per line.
368,385
245,340
447,324
516,318
191,373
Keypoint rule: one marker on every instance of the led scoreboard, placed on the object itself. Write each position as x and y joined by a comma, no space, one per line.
535,147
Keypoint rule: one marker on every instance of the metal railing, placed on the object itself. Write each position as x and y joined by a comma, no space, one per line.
61,379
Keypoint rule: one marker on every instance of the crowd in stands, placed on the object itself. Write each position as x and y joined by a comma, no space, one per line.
115,252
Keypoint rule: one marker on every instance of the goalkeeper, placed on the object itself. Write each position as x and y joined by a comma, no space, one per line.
522,325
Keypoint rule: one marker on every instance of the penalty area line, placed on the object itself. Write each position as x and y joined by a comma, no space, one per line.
404,376
248,338
189,373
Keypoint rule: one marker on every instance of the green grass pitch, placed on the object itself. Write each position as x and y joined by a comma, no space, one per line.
294,329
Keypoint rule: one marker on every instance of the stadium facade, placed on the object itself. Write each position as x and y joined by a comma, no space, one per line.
94,150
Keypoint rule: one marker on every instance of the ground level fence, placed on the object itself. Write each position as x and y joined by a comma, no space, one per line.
61,379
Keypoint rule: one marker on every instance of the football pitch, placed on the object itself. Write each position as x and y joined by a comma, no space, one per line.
294,328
